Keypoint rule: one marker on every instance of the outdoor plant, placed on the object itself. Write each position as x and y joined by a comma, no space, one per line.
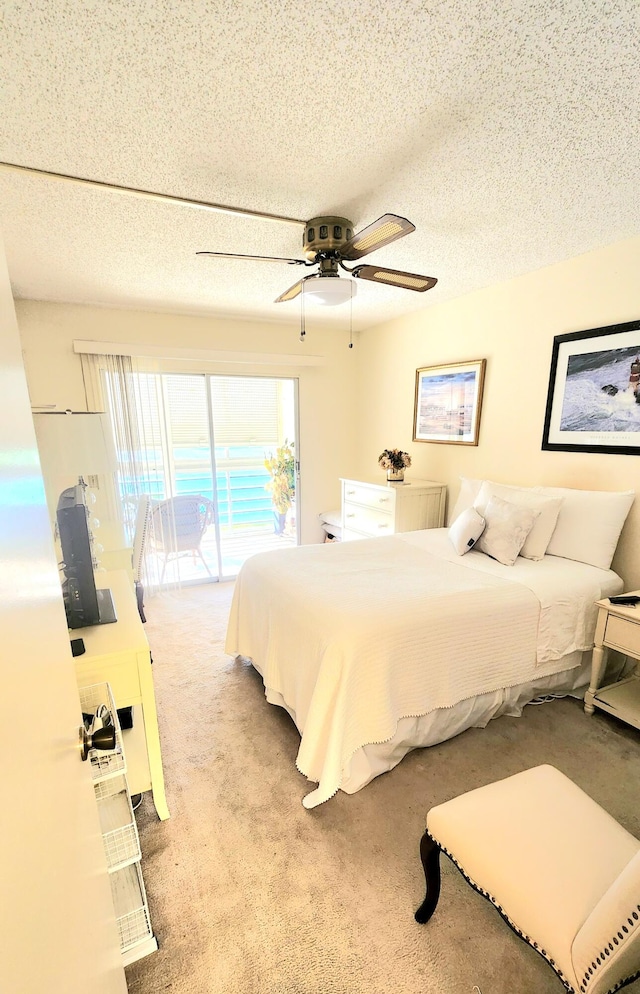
394,459
282,485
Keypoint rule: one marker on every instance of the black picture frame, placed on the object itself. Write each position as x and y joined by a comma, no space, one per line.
593,400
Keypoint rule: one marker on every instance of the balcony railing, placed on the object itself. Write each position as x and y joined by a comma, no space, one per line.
246,517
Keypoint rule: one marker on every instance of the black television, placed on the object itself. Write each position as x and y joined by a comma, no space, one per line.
84,603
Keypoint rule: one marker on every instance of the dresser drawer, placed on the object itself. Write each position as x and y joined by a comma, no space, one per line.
624,635
370,509
120,671
368,520
378,497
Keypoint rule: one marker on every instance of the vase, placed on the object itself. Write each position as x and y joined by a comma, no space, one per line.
395,475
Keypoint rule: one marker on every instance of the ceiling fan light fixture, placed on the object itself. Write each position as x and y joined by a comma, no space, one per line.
328,290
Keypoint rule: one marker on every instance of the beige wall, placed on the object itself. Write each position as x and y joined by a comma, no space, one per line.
361,400
512,325
326,398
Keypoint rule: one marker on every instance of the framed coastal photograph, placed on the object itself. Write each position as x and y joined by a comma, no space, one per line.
448,402
593,402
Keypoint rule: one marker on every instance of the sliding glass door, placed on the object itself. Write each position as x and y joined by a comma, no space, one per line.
255,467
217,456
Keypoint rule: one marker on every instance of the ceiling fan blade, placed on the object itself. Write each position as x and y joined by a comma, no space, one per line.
150,195
394,277
289,294
385,230
255,258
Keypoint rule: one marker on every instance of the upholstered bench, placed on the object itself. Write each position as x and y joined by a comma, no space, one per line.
559,869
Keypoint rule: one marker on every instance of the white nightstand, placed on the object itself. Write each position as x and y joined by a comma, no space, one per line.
372,509
618,627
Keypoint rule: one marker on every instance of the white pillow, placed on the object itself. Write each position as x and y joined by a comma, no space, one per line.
539,537
467,494
589,524
466,530
506,529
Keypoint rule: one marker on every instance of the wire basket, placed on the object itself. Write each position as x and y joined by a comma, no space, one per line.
117,821
104,763
130,903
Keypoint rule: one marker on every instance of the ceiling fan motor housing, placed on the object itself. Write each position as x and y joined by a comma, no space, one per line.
326,234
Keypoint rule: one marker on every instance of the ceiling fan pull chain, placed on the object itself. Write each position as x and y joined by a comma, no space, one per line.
351,318
303,330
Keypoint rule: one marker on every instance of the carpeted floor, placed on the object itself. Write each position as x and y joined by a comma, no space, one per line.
249,892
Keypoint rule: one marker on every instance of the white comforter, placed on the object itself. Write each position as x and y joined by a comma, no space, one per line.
354,636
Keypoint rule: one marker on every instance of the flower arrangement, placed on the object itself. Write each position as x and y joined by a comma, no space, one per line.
394,459
281,468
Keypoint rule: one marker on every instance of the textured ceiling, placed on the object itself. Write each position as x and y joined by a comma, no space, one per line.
507,132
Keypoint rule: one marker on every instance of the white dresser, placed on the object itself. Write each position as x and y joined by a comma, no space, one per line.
371,509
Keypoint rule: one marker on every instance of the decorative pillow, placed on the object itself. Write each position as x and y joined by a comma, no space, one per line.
466,530
539,537
589,524
467,494
506,529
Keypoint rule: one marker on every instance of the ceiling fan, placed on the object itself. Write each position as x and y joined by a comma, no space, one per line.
328,241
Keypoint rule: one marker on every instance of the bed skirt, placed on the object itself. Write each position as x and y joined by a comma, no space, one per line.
430,729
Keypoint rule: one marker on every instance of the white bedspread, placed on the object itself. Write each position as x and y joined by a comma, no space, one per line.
354,636
567,592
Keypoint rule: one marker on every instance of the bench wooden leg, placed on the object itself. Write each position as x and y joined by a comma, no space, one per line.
430,856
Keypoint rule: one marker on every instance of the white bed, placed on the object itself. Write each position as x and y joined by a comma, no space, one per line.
380,646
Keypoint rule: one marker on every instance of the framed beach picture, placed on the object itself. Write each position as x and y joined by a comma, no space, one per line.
448,402
593,403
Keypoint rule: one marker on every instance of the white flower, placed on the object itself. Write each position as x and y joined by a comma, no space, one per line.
394,459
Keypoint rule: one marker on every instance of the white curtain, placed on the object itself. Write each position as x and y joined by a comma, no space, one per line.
133,399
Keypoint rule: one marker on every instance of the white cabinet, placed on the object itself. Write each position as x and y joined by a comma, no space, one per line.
118,654
373,509
119,834
618,627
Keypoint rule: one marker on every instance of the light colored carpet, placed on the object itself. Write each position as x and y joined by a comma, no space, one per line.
249,892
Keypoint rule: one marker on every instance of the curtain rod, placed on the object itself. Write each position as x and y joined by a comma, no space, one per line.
82,347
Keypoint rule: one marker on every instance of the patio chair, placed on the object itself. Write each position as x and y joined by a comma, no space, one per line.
178,526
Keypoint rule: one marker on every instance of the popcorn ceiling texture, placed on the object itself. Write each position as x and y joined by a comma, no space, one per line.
508,133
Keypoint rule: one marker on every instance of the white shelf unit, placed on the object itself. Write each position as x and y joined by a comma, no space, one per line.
118,824
120,835
132,914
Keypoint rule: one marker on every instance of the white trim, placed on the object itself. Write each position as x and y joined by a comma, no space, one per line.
202,355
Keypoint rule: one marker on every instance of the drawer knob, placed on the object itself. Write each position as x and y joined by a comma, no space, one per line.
350,493
383,526
351,514
383,500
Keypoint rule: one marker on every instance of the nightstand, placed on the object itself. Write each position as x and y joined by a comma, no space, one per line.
618,627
